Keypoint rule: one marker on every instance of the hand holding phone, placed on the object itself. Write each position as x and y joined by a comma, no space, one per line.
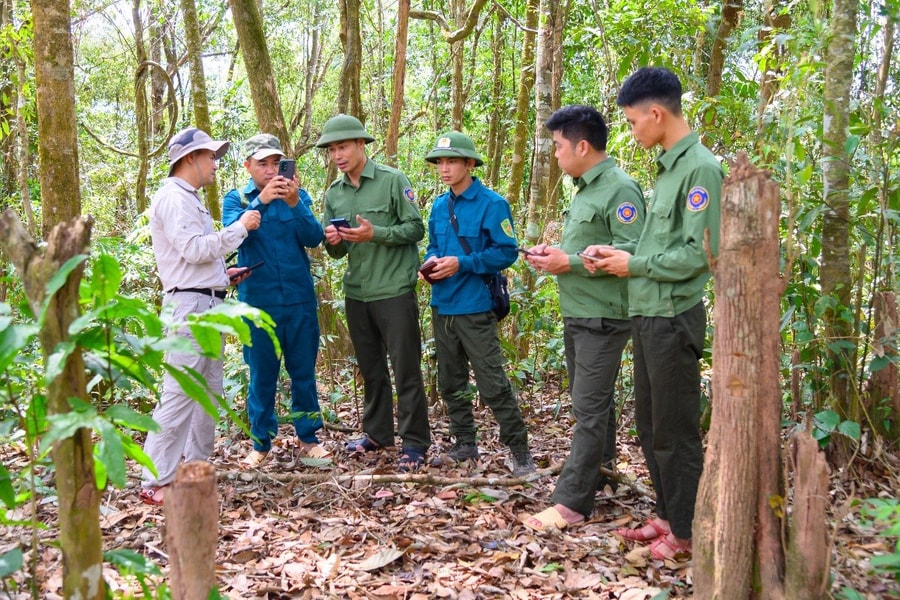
242,270
426,270
589,257
287,168
341,223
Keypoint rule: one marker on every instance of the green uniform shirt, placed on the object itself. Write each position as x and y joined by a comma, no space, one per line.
669,268
386,266
608,208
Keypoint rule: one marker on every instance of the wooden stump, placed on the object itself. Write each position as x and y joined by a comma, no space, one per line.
883,390
192,530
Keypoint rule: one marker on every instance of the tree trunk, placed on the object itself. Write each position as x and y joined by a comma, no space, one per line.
834,272
80,537
198,92
498,106
558,16
523,105
349,100
24,156
141,112
884,394
776,20
57,125
393,131
252,38
192,530
808,550
543,94
742,469
731,13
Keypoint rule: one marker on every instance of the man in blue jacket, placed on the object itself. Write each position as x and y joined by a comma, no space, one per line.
283,287
470,236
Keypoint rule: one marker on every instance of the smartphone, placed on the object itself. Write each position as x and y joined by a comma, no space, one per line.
525,252
341,223
287,168
243,270
589,257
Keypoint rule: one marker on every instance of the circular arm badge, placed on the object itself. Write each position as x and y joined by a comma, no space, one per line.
626,213
698,199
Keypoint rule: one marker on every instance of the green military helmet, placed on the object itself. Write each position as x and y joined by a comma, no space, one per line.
343,127
454,145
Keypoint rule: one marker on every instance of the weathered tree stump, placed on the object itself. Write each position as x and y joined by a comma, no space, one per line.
192,530
884,389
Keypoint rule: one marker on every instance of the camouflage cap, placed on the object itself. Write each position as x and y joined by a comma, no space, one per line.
190,140
262,145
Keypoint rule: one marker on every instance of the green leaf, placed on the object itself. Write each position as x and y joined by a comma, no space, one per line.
106,277
57,280
13,339
851,429
195,387
56,362
10,562
131,562
827,420
127,417
7,493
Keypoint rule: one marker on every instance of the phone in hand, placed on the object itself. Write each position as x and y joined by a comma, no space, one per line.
242,270
287,168
426,270
525,252
589,257
341,223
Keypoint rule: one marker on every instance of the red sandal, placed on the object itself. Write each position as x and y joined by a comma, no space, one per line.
668,547
651,530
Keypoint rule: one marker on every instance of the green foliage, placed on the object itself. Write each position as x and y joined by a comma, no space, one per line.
827,422
884,514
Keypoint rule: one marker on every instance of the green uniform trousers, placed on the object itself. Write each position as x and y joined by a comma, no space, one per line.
461,340
379,329
667,352
593,356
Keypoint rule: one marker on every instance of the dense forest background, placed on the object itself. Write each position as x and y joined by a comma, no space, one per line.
808,90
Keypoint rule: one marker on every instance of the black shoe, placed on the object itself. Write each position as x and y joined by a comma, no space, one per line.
523,464
460,452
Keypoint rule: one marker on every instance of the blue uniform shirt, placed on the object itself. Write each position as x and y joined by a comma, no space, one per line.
485,220
282,238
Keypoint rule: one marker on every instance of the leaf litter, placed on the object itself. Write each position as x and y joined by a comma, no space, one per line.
351,527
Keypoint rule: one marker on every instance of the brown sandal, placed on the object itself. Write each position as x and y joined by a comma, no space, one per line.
153,496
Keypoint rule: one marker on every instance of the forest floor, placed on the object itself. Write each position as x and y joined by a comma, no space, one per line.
291,530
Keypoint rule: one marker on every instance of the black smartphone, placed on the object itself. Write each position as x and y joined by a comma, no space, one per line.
287,168
525,252
341,223
426,270
589,257
243,270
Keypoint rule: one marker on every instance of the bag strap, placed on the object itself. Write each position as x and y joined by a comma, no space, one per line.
453,223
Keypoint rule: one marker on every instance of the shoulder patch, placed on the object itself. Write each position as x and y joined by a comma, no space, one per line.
627,213
409,194
698,199
507,228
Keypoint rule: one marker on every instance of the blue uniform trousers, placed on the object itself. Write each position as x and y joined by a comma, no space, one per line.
297,330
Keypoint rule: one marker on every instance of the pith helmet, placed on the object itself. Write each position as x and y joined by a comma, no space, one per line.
454,145
343,127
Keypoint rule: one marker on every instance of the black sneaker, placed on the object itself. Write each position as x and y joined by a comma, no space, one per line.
460,452
522,463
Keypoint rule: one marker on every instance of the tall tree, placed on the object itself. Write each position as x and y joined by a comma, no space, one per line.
349,99
399,81
248,24
58,148
728,21
834,272
198,91
523,105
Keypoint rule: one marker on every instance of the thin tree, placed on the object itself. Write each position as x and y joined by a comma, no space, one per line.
523,105
834,271
349,100
399,81
198,91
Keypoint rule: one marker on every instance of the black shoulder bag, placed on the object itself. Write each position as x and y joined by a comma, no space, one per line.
497,283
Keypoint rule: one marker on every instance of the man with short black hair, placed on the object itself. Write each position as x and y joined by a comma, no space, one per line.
667,275
189,258
608,208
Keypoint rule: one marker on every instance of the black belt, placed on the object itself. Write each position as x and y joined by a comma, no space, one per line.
205,291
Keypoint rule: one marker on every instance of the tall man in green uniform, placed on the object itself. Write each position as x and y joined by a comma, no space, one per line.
379,236
667,275
608,208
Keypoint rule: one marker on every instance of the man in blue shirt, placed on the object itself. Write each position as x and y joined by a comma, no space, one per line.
481,243
283,287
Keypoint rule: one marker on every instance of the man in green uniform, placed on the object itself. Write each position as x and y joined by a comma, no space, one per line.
379,232
608,208
667,275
